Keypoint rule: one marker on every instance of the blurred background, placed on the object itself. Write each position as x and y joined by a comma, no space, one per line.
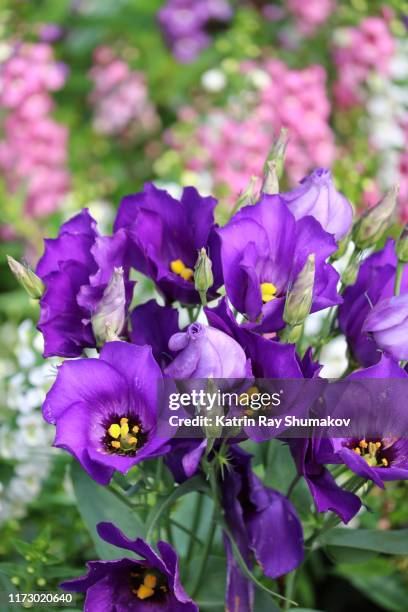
98,97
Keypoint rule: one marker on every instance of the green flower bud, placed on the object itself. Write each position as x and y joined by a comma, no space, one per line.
27,278
300,295
247,197
203,276
277,153
270,184
109,317
372,225
402,245
349,275
342,248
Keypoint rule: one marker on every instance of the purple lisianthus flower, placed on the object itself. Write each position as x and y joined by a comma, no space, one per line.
387,322
375,282
379,459
76,268
186,25
154,325
105,410
166,236
318,197
375,459
207,352
327,494
264,525
150,582
263,249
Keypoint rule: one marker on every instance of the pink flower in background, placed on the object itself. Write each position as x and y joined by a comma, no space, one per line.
310,14
366,49
232,143
403,196
33,150
120,96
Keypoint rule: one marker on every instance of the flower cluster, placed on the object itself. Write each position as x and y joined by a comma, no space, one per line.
310,15
119,97
387,107
231,144
33,151
187,25
24,438
360,52
258,276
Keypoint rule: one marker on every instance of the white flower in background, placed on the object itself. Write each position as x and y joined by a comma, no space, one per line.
25,438
387,119
214,80
333,357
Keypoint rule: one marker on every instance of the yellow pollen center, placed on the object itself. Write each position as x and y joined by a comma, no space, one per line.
369,452
146,589
122,439
268,292
179,268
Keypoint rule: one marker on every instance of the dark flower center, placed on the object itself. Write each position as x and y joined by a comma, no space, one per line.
148,583
123,435
372,452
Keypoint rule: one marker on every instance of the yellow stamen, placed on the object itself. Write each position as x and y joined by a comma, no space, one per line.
132,440
115,444
123,420
384,462
114,430
124,429
143,592
378,444
268,291
363,444
150,581
179,268
357,450
136,429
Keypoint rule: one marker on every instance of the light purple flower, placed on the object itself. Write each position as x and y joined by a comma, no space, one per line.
387,322
318,197
206,352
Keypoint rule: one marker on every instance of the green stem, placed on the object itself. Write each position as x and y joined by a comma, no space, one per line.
289,589
206,553
293,485
194,526
186,530
398,278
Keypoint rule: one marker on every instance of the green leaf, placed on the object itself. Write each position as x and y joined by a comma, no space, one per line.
193,484
379,582
387,542
212,589
342,554
97,504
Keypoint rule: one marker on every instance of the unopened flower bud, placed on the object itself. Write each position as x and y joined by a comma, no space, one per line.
27,278
300,295
203,276
349,275
402,246
277,153
270,184
342,248
247,197
376,221
109,317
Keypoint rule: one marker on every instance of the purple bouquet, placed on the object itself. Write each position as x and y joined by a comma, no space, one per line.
231,316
